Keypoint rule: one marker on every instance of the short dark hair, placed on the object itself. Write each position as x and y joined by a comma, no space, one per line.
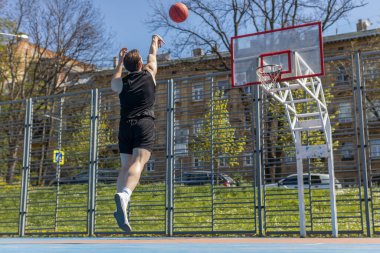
131,60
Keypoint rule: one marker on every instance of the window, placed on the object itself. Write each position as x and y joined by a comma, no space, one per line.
177,93
342,75
181,137
197,92
107,106
198,123
345,113
247,119
290,156
240,78
347,151
292,180
197,163
150,165
315,179
375,148
373,110
178,162
248,160
370,72
248,89
223,161
223,87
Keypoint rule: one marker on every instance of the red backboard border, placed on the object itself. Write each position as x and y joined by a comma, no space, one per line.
318,23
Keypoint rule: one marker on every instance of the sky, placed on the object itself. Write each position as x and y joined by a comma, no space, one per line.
126,20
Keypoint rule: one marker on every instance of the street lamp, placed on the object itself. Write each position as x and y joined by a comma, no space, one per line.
22,36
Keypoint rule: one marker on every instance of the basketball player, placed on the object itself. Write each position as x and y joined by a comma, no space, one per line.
137,129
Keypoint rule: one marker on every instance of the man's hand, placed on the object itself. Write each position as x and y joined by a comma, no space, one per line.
156,43
117,83
122,53
160,41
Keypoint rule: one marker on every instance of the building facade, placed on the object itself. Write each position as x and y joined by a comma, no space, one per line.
198,77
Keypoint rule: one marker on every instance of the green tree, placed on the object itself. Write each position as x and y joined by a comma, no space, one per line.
76,143
66,37
226,144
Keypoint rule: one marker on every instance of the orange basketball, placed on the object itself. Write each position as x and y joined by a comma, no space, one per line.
178,12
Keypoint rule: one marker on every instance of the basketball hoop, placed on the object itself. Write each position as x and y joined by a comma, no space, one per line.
268,75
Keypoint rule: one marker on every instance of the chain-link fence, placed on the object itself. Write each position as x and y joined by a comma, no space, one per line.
370,65
12,118
223,162
213,157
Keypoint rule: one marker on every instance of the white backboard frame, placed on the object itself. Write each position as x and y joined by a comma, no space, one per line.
279,46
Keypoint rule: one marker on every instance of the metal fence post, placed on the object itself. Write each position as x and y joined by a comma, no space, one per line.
25,166
93,160
212,154
258,156
58,168
169,158
360,89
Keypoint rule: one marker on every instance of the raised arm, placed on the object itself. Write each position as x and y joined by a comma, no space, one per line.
151,66
116,82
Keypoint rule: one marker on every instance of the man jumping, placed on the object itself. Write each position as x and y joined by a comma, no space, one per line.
137,128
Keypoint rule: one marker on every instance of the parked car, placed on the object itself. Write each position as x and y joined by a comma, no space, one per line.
204,177
374,181
103,176
318,181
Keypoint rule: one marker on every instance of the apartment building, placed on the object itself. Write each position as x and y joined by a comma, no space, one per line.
197,76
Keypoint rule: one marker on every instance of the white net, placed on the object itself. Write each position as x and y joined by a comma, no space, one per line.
269,75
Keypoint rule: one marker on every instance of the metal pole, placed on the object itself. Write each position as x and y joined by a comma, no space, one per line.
301,200
212,154
356,134
93,160
258,155
25,166
330,164
169,158
58,169
361,89
305,110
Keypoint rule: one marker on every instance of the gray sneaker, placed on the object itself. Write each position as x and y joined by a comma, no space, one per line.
121,212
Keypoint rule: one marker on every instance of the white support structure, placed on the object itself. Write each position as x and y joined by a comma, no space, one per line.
301,122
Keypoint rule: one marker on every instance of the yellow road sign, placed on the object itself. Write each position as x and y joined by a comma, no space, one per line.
59,157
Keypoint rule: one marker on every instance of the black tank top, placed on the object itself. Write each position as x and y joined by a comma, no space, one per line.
137,96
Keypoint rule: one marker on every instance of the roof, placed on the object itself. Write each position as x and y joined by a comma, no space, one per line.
326,39
226,54
351,36
192,59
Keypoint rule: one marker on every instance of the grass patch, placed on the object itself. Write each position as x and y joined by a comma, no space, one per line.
197,209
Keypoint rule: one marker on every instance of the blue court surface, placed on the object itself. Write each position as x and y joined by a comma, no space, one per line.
189,245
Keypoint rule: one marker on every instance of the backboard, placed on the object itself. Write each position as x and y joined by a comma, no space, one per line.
298,49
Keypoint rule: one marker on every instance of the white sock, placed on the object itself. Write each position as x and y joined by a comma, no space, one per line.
128,192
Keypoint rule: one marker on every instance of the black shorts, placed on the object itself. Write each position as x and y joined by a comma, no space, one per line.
137,133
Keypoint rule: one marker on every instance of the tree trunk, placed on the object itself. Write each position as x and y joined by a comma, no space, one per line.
278,153
41,164
270,169
48,130
47,146
14,147
43,150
